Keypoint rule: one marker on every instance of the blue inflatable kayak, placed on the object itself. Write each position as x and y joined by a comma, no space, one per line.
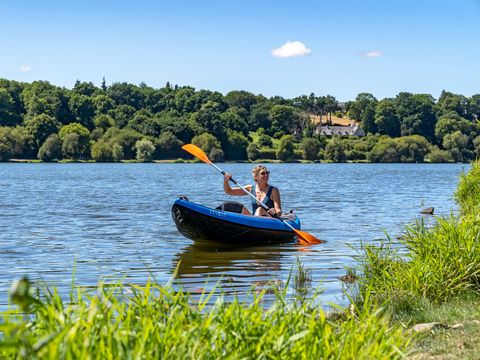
199,222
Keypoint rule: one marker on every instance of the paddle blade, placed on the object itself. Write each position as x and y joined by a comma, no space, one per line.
305,238
196,151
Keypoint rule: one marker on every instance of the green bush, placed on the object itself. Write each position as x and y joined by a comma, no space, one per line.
51,149
267,154
467,194
154,321
145,150
102,152
285,150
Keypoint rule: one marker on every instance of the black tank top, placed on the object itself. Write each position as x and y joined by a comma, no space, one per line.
266,200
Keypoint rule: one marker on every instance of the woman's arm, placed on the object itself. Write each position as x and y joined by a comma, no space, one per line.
233,191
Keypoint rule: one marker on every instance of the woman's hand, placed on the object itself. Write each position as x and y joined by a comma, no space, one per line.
271,212
227,177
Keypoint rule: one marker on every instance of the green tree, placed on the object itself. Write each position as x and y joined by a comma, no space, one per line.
417,114
386,118
8,116
144,123
363,109
126,138
253,151
72,147
234,122
126,94
145,150
40,97
39,128
51,149
460,104
182,99
117,152
184,128
217,155
285,150
476,146
285,120
211,121
263,139
85,88
207,142
102,104
310,148
438,156
77,147
236,146
242,99
6,144
103,121
82,109
457,144
335,151
168,146
102,151
452,122
12,108
122,114
259,116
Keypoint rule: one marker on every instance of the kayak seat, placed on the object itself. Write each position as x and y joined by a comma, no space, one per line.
231,206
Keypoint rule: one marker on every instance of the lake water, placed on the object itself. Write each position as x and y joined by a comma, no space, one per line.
112,221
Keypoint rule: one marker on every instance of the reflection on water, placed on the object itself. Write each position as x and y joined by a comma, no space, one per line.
113,221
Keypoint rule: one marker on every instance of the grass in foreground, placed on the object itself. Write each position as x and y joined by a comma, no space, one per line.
153,321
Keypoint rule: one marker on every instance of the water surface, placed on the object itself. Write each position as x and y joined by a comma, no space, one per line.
113,221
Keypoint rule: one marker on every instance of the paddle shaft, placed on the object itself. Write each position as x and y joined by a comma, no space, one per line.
252,196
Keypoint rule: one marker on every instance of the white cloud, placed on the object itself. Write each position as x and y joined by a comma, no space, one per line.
372,54
25,68
291,49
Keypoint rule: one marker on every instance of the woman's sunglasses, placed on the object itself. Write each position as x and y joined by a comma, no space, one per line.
263,173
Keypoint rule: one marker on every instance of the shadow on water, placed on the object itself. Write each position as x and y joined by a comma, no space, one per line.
231,270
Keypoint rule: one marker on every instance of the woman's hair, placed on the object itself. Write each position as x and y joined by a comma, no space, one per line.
257,169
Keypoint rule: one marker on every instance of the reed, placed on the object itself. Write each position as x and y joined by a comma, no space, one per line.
467,193
441,263
155,321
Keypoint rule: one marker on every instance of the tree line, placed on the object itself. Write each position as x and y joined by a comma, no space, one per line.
123,121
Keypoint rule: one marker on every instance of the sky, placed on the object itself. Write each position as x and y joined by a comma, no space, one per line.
285,48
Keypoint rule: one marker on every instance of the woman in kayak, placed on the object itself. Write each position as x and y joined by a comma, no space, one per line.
265,193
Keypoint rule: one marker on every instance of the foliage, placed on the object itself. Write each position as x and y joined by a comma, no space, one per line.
51,149
441,263
117,152
168,146
253,151
145,150
456,143
310,148
405,149
206,142
467,193
435,155
101,151
154,321
216,155
335,151
285,150
40,127
42,108
236,146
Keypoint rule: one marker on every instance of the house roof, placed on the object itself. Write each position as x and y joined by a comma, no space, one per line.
330,130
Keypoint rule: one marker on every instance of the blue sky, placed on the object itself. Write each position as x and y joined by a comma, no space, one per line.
286,48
